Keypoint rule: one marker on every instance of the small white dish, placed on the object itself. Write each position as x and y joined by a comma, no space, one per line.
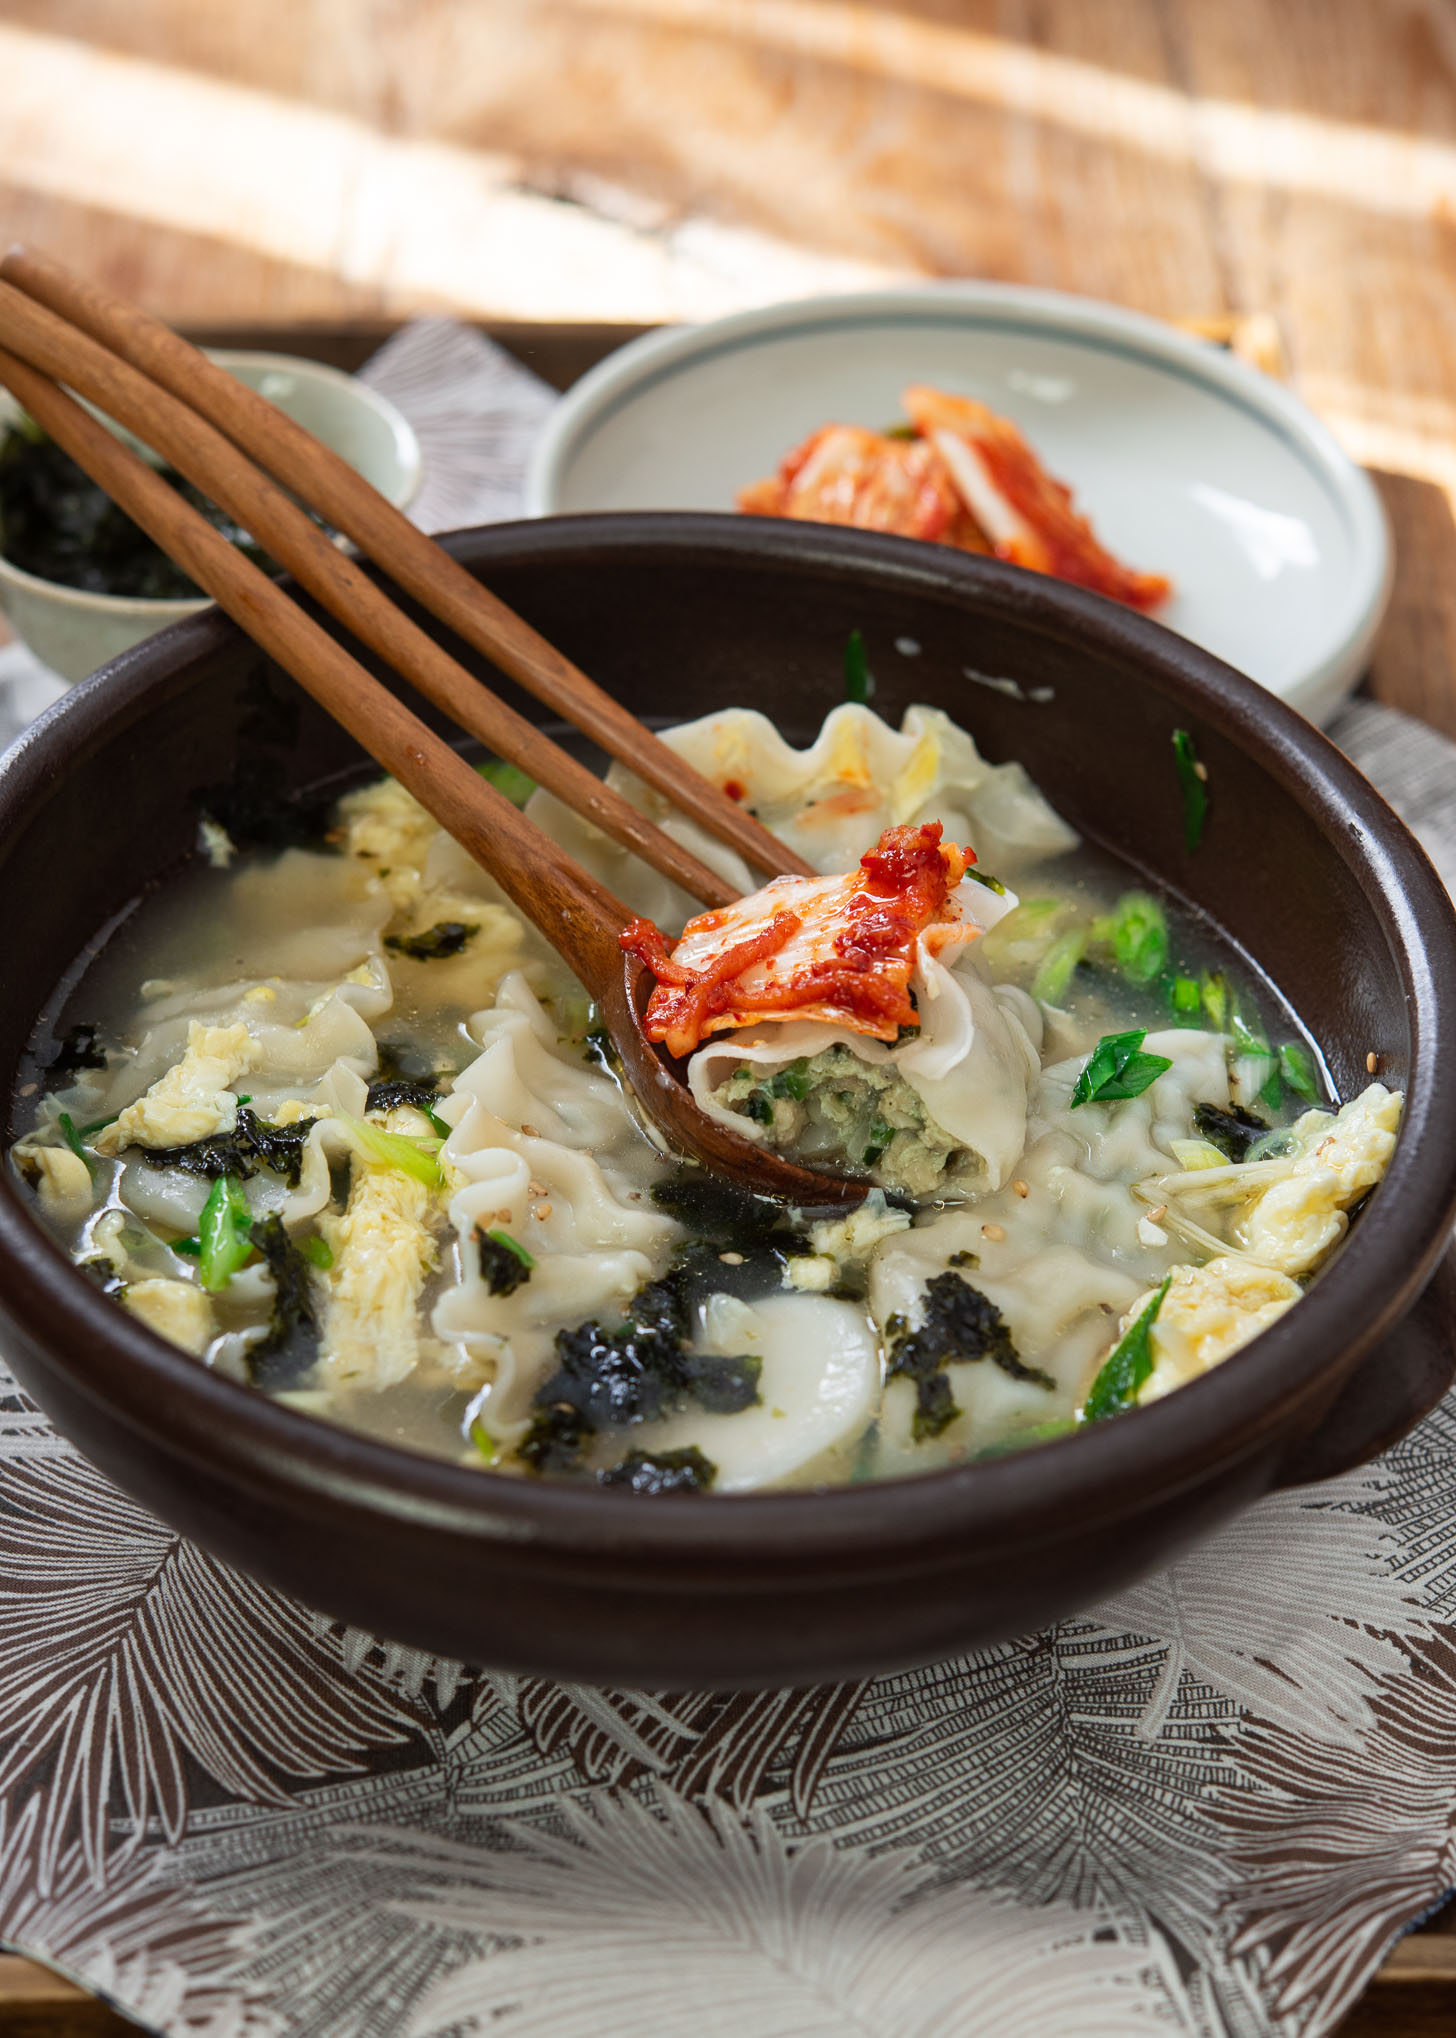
73,631
1188,462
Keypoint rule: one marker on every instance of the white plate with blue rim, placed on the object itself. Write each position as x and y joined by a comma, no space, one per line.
1188,462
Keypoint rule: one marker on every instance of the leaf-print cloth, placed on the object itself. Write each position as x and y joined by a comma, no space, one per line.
1204,1808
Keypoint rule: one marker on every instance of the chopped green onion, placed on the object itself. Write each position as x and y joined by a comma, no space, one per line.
513,1245
792,1081
984,877
1184,1000
1125,1370
1213,989
1197,1153
1140,937
100,1124
1248,1026
508,779
438,1125
1116,1069
1022,937
900,431
1192,778
317,1251
190,1247
483,1441
859,681
417,1157
73,1140
1052,979
1297,1069
224,1233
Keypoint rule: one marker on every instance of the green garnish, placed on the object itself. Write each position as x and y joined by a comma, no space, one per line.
1140,937
191,1247
224,1233
483,1441
417,1157
900,431
879,1138
317,1251
508,779
792,1081
984,877
1213,989
1193,779
1185,1001
99,1125
859,681
1127,1366
1297,1070
73,1140
1058,966
1116,1068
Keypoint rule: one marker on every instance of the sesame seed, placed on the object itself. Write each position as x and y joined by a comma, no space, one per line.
995,1232
1157,1216
1372,1062
529,1132
541,1212
731,1259
535,1188
29,1089
1021,1189
1201,771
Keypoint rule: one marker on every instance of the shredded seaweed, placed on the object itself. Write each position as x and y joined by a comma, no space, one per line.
445,938
1233,1131
640,1370
80,1048
505,1265
388,1095
685,1471
723,1215
286,1353
252,1144
960,1324
258,811
60,525
556,1440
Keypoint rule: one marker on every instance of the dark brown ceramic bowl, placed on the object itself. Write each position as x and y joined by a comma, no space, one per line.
1302,864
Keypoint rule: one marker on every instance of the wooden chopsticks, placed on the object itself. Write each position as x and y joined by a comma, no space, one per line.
210,460
319,477
577,913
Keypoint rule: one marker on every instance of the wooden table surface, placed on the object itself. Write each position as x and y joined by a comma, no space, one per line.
571,170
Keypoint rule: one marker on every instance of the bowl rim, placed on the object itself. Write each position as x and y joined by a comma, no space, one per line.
171,608
1216,1422
1317,691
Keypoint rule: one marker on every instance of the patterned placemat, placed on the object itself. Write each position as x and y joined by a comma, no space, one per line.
1205,1808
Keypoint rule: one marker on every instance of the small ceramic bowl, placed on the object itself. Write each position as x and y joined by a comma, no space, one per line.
1303,865
73,631
1189,462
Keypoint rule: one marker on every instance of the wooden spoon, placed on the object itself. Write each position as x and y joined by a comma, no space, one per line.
578,915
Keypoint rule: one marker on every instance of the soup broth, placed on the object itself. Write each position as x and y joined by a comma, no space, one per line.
339,1122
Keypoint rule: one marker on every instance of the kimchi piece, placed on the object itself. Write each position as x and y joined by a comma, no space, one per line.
963,476
839,949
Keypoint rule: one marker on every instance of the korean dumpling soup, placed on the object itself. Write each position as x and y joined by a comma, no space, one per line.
335,1120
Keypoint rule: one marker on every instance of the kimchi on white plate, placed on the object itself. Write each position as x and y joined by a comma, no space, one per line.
1187,462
